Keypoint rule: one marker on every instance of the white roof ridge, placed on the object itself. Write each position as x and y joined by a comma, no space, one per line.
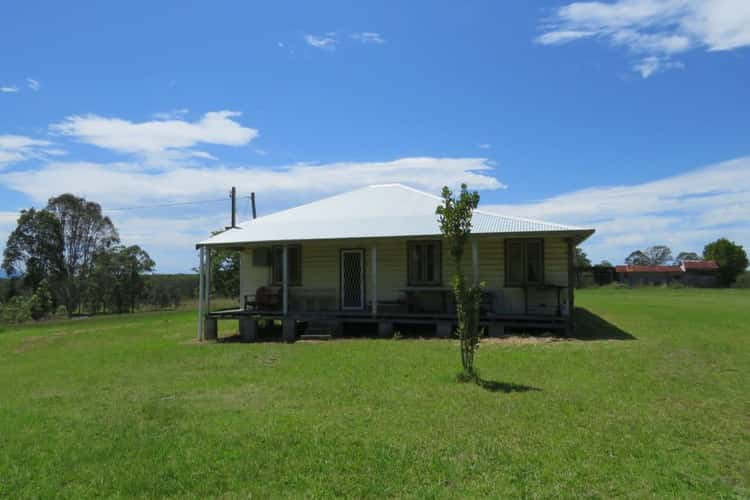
297,207
478,210
406,187
526,219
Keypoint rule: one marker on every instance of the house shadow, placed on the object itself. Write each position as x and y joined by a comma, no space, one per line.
590,326
262,337
506,387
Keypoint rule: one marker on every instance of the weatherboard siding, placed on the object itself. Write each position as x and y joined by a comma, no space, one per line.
320,272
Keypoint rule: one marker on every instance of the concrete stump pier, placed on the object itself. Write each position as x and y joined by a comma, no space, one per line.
288,330
248,329
212,329
385,330
443,329
496,330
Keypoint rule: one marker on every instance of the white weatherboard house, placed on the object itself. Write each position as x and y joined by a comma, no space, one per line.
376,254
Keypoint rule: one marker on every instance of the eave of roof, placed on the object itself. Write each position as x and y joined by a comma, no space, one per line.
383,211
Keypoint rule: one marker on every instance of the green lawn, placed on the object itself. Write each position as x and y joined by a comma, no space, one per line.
131,406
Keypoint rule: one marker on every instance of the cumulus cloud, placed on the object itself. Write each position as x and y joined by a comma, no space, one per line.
169,233
654,31
127,184
158,141
18,148
325,42
368,37
684,211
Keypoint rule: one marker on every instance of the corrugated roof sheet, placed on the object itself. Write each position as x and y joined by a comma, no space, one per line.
386,210
699,265
648,269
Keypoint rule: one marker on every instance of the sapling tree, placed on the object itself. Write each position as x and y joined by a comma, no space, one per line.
454,215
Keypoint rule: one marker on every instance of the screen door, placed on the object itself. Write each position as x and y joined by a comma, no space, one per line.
352,279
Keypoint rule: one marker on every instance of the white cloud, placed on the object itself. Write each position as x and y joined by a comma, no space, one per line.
127,184
203,154
654,31
684,211
18,148
33,84
563,36
325,42
652,64
8,89
171,115
159,141
368,37
166,231
485,145
170,238
7,221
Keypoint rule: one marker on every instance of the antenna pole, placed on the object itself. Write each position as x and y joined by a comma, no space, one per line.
252,202
233,195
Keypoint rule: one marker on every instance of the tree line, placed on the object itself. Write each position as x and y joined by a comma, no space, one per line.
67,257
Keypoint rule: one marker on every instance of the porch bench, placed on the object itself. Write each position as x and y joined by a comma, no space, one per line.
313,299
396,306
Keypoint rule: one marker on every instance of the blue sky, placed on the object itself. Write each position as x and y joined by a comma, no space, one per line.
629,115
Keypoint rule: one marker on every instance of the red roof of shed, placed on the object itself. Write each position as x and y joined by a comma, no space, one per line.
699,265
648,269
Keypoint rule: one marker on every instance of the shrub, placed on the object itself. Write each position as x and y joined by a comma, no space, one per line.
16,310
743,281
40,302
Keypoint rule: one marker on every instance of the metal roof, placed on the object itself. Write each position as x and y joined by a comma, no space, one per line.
699,265
379,211
647,269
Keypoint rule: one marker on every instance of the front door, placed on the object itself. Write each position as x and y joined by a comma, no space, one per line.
352,280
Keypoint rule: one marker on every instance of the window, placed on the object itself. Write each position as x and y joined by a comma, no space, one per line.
524,262
424,262
294,269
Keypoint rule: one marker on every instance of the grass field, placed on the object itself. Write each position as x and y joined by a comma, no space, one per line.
131,406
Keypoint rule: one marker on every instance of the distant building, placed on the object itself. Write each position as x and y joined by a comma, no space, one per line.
702,273
648,275
696,273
